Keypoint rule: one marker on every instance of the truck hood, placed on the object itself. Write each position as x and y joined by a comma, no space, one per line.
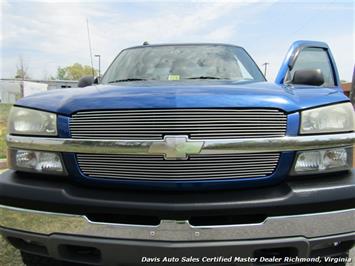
192,94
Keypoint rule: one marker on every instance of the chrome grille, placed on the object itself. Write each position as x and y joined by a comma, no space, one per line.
196,167
196,123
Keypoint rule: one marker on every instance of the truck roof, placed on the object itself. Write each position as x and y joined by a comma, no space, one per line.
182,44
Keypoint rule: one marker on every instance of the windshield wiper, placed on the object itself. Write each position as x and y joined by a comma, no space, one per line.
204,77
125,80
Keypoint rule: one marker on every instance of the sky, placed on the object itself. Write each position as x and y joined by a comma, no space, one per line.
49,34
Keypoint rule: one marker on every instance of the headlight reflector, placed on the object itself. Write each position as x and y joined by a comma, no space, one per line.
328,119
24,121
36,161
322,161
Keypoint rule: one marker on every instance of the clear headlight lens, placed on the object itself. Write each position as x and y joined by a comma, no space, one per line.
24,121
36,161
322,161
328,119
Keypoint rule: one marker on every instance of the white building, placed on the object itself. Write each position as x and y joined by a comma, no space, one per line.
14,89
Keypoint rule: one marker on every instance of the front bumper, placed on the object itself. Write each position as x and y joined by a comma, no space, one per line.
118,252
306,225
307,218
283,239
60,195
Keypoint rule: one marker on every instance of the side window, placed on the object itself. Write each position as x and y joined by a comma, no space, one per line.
314,58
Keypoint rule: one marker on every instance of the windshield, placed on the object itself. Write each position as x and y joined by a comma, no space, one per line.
183,62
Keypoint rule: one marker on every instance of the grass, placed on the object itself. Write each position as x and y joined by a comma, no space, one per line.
9,256
4,113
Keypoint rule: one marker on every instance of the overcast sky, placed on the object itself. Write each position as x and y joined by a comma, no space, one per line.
48,34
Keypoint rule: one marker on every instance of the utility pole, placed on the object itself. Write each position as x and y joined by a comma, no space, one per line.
99,57
265,68
90,50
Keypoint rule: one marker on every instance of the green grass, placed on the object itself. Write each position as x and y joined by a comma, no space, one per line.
9,256
4,113
2,141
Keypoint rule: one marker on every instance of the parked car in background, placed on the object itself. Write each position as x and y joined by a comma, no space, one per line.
184,151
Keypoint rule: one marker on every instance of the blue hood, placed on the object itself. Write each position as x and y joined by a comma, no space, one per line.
193,94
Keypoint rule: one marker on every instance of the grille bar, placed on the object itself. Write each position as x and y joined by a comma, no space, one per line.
196,123
181,116
214,110
170,166
209,126
196,167
176,120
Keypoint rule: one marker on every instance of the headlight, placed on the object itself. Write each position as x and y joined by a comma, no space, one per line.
323,161
36,161
328,119
24,121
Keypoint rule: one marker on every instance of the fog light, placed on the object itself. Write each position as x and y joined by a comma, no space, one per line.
37,161
320,161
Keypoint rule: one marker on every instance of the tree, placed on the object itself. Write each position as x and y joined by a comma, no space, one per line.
75,72
61,73
21,70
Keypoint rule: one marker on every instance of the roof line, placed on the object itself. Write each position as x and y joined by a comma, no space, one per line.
182,44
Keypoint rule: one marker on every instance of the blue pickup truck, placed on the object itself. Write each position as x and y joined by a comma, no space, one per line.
184,154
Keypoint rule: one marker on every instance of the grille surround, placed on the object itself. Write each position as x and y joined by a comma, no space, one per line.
153,124
196,167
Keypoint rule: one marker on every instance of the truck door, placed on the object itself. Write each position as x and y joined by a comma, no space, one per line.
309,63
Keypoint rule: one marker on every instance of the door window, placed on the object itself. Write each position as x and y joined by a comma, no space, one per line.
313,58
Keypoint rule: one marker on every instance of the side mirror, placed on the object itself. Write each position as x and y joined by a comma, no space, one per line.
86,81
313,77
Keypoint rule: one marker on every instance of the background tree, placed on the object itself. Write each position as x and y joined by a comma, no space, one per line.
61,73
21,70
75,72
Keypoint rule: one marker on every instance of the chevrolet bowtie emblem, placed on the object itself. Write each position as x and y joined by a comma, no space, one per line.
176,147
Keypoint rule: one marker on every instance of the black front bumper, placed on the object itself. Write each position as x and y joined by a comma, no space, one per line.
290,201
53,194
101,251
